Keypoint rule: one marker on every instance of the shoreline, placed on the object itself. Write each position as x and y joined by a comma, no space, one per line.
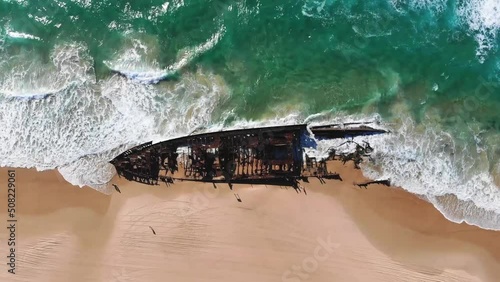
380,233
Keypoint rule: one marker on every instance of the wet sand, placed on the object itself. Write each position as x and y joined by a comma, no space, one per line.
335,232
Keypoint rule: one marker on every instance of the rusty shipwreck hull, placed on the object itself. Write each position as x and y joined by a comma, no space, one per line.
267,155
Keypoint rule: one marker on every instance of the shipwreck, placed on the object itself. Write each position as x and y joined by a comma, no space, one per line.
267,155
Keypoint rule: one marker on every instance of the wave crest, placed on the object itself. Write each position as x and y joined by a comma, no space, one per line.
28,78
131,62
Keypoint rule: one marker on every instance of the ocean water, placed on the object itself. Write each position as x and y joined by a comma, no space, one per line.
83,80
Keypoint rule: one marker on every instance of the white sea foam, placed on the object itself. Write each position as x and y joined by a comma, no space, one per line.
83,3
132,64
19,2
433,5
81,127
483,19
158,11
15,34
138,61
317,8
132,14
27,77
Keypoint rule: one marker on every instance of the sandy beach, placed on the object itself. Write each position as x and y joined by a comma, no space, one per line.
335,232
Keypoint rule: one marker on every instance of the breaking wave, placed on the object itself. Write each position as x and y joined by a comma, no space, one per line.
483,19
27,77
21,35
428,162
131,63
86,124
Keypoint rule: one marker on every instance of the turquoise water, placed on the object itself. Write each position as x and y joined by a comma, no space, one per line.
83,80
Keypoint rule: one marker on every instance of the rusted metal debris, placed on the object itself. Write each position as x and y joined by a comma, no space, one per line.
269,156
361,151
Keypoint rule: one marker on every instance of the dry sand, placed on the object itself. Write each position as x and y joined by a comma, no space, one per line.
337,232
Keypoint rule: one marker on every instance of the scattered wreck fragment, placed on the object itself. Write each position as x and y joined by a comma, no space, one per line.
268,155
385,182
357,156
